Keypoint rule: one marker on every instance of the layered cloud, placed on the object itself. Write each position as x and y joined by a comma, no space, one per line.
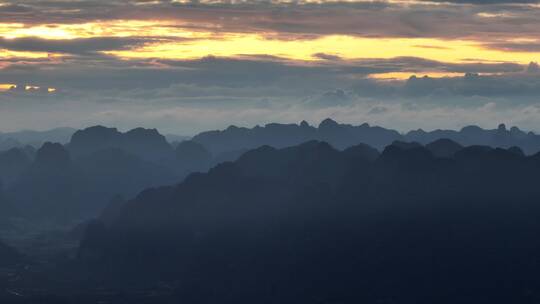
212,63
449,19
78,46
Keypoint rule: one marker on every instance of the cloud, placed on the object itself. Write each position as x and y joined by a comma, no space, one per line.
108,73
80,46
99,72
331,98
533,68
301,20
378,110
324,56
184,97
286,78
416,64
533,47
525,86
173,115
14,9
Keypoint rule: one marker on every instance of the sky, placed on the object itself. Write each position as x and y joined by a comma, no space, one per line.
188,66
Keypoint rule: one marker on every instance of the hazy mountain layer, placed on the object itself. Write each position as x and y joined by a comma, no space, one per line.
10,140
344,135
99,162
313,224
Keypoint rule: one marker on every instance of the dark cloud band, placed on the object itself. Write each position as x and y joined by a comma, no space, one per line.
465,19
80,46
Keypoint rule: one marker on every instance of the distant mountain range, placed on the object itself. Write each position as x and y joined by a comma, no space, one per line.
284,213
414,224
78,178
344,135
234,139
34,138
145,143
63,135
59,184
75,180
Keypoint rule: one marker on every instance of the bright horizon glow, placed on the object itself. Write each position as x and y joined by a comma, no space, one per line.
6,86
407,75
170,43
346,47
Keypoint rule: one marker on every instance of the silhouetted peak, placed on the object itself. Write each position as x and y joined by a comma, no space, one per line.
516,150
256,153
145,139
407,152
501,128
533,67
362,151
328,123
444,148
318,158
93,138
267,155
95,133
276,126
406,145
52,153
313,145
145,143
476,151
470,129
342,136
501,154
445,141
471,75
516,132
142,132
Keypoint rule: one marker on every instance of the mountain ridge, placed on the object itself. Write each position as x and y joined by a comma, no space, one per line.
289,217
344,135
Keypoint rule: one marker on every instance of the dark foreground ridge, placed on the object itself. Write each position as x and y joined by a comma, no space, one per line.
270,215
312,224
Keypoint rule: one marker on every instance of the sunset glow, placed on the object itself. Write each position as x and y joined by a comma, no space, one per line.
171,41
217,55
6,86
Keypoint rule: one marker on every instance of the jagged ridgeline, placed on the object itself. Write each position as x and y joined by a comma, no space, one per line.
75,180
285,213
439,223
342,136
